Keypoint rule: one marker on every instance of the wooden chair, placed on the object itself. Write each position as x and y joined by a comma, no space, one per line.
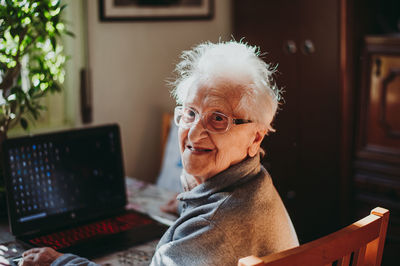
360,243
165,127
170,160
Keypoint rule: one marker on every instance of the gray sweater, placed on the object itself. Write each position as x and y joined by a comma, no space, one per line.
234,214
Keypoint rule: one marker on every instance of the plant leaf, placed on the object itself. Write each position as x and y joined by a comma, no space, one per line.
24,123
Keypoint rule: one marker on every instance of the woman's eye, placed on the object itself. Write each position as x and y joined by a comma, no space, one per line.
191,113
218,118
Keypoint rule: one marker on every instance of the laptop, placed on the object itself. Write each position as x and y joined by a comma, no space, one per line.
66,190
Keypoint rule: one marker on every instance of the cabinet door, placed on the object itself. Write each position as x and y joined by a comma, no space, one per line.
272,25
380,134
303,155
319,116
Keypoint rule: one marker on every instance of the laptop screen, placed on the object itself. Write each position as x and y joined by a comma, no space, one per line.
58,179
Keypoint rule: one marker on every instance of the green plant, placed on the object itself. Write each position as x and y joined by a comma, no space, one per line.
31,62
31,58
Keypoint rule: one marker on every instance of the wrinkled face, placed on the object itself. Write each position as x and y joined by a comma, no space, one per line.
206,154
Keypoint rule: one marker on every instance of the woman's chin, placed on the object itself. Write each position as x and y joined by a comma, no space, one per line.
197,164
196,171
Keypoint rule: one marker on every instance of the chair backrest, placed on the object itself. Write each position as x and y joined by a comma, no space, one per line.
165,128
360,243
171,164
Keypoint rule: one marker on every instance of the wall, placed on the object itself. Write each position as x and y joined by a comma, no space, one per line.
130,62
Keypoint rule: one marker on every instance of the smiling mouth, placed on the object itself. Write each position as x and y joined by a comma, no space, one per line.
193,149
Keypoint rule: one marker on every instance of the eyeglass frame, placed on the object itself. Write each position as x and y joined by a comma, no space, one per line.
198,117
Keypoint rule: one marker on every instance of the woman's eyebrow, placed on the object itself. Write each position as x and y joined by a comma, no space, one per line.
191,107
218,109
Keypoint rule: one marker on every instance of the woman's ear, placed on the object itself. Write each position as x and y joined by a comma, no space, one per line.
255,144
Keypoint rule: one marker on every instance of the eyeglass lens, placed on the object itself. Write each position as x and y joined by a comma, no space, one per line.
212,121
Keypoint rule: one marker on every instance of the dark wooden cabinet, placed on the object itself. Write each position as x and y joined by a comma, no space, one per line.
302,38
336,152
377,153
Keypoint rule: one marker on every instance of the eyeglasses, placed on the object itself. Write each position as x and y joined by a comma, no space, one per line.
213,122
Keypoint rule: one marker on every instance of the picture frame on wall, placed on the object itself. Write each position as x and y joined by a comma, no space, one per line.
133,10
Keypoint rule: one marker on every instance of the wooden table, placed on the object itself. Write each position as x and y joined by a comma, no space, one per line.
143,197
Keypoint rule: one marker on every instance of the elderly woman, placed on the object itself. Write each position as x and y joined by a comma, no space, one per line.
230,208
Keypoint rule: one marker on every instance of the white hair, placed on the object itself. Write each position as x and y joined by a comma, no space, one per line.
239,64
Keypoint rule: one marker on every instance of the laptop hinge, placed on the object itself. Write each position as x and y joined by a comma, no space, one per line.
29,233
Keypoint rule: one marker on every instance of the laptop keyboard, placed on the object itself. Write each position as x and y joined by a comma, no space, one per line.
64,239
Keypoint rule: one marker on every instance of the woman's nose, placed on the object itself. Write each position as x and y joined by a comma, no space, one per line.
197,131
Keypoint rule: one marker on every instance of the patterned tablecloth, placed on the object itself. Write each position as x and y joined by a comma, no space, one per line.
143,197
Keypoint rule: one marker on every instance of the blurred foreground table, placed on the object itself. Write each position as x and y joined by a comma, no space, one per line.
143,197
